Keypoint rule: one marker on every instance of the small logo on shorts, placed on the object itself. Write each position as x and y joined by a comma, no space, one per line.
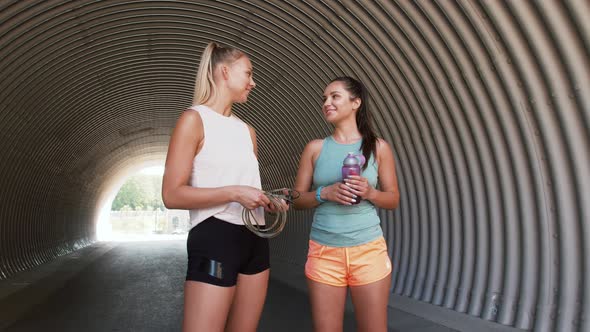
388,265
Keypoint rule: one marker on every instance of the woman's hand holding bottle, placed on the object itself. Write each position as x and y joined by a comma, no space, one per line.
359,186
339,193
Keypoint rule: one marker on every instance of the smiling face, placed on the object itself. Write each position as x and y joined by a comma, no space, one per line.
240,79
338,103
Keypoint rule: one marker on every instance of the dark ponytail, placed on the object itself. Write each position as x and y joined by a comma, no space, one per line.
363,116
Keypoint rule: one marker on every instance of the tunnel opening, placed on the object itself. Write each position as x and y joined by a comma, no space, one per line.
132,209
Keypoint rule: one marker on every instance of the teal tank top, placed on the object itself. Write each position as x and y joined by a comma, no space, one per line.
337,225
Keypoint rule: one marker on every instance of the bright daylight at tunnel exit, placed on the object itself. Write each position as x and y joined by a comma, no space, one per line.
137,213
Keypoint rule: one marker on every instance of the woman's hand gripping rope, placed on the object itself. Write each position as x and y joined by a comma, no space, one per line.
280,199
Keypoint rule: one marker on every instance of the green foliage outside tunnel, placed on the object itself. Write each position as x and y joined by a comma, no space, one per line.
138,210
140,192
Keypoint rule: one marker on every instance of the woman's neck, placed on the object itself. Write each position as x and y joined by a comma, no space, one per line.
219,104
346,133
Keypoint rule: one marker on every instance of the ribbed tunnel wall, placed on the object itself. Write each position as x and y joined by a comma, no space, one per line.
486,105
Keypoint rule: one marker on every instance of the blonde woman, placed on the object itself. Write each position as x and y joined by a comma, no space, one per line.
212,171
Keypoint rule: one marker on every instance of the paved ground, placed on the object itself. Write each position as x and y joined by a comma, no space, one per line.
130,286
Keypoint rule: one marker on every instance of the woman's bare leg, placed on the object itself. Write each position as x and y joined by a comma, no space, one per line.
370,305
327,306
206,306
248,302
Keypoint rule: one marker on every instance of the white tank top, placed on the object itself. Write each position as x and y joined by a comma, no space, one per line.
225,159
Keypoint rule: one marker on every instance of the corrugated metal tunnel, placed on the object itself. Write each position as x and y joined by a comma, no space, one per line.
486,105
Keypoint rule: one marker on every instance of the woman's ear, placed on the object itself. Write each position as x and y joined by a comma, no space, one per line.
356,103
224,72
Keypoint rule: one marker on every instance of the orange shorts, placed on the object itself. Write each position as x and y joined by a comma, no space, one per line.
348,266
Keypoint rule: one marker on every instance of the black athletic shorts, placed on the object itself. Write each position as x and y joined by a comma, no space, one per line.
218,251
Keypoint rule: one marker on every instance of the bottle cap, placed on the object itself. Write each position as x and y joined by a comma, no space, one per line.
361,159
351,160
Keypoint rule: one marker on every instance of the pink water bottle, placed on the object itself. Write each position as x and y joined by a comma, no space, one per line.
352,166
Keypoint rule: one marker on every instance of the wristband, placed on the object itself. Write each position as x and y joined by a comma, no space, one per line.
317,194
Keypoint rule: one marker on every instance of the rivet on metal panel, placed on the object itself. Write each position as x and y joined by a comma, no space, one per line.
495,310
494,305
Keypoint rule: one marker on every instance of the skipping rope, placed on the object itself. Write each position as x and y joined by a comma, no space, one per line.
270,230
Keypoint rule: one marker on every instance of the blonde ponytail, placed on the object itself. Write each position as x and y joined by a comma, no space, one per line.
212,56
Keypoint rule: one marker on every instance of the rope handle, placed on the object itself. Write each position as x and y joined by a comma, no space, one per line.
273,229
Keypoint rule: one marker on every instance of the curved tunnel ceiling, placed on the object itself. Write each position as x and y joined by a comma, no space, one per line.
486,105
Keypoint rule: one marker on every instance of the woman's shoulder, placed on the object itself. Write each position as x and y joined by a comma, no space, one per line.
382,144
190,121
315,145
191,115
312,150
382,149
